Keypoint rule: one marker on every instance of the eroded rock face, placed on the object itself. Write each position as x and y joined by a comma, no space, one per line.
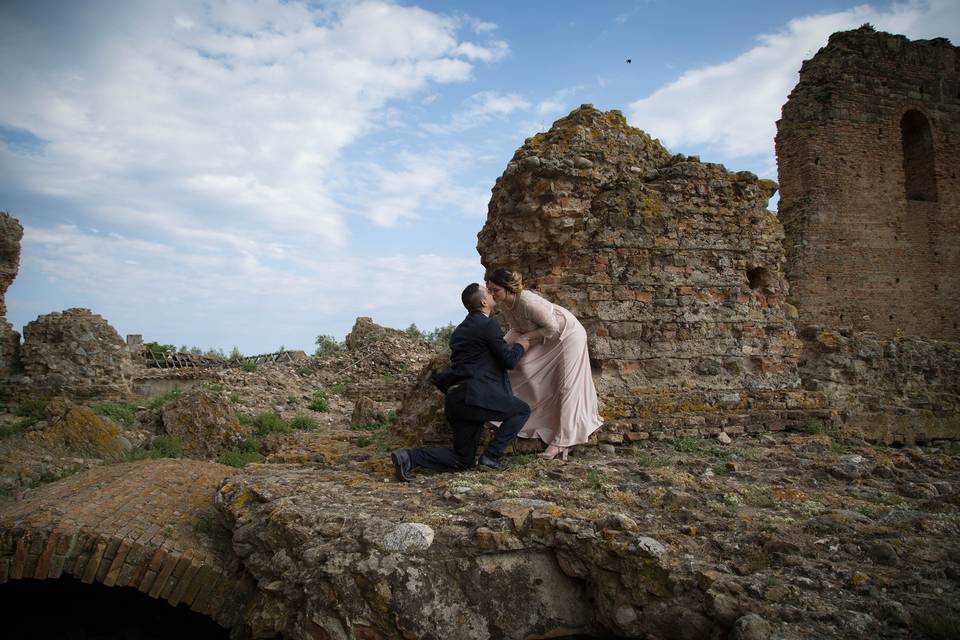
336,563
205,423
75,353
894,390
79,430
673,265
11,233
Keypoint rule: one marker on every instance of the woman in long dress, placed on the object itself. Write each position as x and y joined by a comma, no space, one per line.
553,376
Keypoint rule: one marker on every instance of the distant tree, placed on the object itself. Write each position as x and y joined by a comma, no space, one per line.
197,351
215,354
414,332
158,349
440,336
328,345
235,355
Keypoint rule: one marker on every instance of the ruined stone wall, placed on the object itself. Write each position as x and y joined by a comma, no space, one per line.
869,150
894,390
674,266
75,353
11,232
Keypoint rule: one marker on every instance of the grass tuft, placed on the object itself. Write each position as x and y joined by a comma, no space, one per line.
119,412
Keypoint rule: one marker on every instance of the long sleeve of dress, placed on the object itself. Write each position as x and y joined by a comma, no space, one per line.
538,312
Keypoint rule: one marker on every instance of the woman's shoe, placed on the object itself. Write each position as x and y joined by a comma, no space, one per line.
553,451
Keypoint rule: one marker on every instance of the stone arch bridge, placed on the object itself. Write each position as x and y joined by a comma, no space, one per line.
147,525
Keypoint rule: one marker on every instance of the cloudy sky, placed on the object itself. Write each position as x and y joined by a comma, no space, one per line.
255,173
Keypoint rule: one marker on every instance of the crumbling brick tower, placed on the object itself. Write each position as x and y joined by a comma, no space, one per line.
869,149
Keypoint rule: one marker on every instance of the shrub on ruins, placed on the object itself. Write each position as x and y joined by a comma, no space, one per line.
245,453
119,412
328,345
159,350
374,432
267,422
438,337
161,447
320,402
29,413
33,408
167,397
303,422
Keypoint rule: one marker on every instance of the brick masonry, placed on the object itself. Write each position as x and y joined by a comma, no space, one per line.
673,265
148,525
868,149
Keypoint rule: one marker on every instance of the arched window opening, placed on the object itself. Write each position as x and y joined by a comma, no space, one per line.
918,167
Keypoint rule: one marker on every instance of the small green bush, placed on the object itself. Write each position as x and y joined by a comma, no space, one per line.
249,367
18,427
269,422
687,445
320,401
162,447
375,431
304,423
33,408
328,345
119,412
239,457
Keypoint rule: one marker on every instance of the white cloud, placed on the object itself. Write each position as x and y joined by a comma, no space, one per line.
494,51
228,116
418,183
480,108
158,288
731,108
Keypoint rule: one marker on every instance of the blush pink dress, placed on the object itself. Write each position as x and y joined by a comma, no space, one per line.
554,376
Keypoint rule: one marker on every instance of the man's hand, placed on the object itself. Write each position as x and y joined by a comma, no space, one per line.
523,342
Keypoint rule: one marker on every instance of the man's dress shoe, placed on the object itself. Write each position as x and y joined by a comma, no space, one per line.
486,463
401,465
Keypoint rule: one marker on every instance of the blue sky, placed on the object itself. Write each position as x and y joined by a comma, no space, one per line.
255,173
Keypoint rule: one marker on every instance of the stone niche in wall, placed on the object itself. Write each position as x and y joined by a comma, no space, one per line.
673,265
868,149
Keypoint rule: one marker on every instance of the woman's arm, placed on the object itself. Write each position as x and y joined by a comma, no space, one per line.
540,312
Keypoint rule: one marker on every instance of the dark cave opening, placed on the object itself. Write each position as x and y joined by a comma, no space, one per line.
68,609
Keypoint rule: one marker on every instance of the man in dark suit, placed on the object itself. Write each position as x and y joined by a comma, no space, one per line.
477,389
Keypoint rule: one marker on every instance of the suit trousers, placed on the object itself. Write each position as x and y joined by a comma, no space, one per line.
466,422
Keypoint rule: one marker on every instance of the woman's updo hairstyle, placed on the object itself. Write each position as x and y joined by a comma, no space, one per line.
512,281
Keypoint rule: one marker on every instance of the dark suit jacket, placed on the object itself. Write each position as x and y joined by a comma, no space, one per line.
480,360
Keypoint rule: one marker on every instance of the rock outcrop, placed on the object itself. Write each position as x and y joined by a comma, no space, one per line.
893,390
11,233
205,423
673,265
75,353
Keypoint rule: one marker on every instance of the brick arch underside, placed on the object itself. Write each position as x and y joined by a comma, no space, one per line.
115,562
143,525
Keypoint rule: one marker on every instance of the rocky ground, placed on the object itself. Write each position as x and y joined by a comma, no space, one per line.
787,535
792,535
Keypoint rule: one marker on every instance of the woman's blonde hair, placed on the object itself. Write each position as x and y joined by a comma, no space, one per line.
512,281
